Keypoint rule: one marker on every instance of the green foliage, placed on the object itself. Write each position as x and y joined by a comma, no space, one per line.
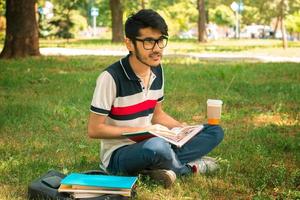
104,17
64,25
273,8
180,17
2,7
46,29
216,3
80,22
294,6
130,6
67,21
222,15
84,7
161,5
261,12
293,22
251,15
62,18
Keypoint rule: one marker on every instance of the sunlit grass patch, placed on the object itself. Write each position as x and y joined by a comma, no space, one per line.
11,192
276,119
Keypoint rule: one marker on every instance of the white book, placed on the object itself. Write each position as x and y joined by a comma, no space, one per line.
177,136
76,195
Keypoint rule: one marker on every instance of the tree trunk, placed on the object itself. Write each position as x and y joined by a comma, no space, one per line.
202,36
283,31
276,27
21,38
283,3
143,3
117,20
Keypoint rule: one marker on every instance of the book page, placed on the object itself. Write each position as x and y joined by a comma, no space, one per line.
176,134
85,195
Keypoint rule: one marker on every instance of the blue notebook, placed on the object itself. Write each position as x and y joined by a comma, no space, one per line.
103,181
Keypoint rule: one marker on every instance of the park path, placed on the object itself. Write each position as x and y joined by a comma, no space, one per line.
230,56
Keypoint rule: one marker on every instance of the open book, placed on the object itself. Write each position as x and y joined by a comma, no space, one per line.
177,136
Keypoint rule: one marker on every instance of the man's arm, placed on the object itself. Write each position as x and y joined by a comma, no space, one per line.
98,129
160,117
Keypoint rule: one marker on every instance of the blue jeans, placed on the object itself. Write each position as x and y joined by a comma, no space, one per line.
156,153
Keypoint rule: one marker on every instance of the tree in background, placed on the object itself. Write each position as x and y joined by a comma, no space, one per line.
202,35
283,11
104,18
117,20
293,19
250,15
181,16
163,4
21,38
276,9
2,7
62,18
293,24
216,3
294,6
69,17
143,4
222,15
45,13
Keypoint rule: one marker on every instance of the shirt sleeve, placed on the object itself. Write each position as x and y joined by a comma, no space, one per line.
104,94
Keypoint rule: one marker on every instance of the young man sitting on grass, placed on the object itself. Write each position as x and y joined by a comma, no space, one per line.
128,97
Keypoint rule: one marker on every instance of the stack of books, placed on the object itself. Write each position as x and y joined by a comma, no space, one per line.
88,186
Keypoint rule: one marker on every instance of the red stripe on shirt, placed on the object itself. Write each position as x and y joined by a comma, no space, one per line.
134,108
139,138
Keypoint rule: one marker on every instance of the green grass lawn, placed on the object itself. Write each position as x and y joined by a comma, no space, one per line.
45,102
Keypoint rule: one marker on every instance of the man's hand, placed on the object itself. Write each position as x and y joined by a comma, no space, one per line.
157,127
175,134
163,131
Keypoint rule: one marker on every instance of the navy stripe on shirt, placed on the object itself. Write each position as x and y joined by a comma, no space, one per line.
99,110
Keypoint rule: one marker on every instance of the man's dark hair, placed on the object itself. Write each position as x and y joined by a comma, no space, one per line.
143,19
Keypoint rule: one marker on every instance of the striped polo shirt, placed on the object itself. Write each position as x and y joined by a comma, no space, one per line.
121,96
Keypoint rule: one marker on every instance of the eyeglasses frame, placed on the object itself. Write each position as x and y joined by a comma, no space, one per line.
155,40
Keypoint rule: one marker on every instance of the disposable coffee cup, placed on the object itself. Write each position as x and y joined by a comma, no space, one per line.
214,108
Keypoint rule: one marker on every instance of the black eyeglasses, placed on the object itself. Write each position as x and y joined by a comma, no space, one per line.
149,43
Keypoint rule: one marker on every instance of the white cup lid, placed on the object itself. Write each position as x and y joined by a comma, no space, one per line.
214,102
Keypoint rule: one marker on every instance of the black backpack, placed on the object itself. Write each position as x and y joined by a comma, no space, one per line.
46,188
